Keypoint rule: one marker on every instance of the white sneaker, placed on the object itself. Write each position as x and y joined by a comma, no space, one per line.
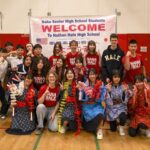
148,133
121,130
63,130
99,134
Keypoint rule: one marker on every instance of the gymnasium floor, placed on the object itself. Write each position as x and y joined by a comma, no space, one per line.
56,141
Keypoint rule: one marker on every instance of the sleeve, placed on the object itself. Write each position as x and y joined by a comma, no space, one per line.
104,69
41,91
102,93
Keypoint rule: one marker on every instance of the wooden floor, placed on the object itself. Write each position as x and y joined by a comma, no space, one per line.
68,141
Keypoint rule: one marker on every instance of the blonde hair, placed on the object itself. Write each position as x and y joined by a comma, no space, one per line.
51,72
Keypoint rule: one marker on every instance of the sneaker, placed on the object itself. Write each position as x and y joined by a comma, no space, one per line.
63,130
121,130
38,131
148,133
3,117
99,134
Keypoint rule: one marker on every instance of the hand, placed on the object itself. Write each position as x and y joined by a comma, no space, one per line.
52,116
108,87
47,90
81,72
103,104
125,87
128,54
107,80
61,86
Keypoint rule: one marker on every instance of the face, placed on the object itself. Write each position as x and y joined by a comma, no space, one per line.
59,63
73,47
132,48
78,64
51,78
57,49
29,47
37,51
114,42
28,82
116,79
20,52
28,61
40,65
139,85
92,76
9,48
70,75
91,47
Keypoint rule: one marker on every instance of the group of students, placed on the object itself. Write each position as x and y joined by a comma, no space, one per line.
74,91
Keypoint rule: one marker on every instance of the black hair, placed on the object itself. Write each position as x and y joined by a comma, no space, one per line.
113,35
79,58
73,41
117,73
133,41
29,76
139,78
65,79
9,44
26,58
37,46
19,46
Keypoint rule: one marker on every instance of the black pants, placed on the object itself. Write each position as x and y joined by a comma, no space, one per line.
134,131
122,121
92,125
4,102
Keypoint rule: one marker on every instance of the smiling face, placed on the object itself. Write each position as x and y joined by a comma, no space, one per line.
37,51
73,46
29,47
51,78
92,76
27,82
132,48
114,42
40,65
69,75
116,79
78,64
139,84
28,61
59,63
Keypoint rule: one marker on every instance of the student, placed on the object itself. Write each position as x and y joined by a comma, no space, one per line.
59,68
39,71
8,47
70,57
92,58
92,97
29,49
48,99
133,63
116,103
23,121
140,106
57,53
112,59
37,51
69,114
3,71
79,70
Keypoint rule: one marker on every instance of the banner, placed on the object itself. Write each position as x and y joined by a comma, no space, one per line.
47,31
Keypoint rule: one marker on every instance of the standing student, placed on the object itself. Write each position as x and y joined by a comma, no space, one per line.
133,63
48,103
29,49
112,59
116,103
70,57
57,53
140,108
92,58
92,96
23,121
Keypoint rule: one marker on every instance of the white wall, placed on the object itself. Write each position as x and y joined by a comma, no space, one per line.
135,14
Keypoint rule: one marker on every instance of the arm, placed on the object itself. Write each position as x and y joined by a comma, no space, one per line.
127,61
42,94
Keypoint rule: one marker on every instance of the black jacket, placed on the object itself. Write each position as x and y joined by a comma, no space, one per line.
111,59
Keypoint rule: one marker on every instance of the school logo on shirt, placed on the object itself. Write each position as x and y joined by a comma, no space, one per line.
91,61
51,96
135,64
112,57
72,61
39,80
